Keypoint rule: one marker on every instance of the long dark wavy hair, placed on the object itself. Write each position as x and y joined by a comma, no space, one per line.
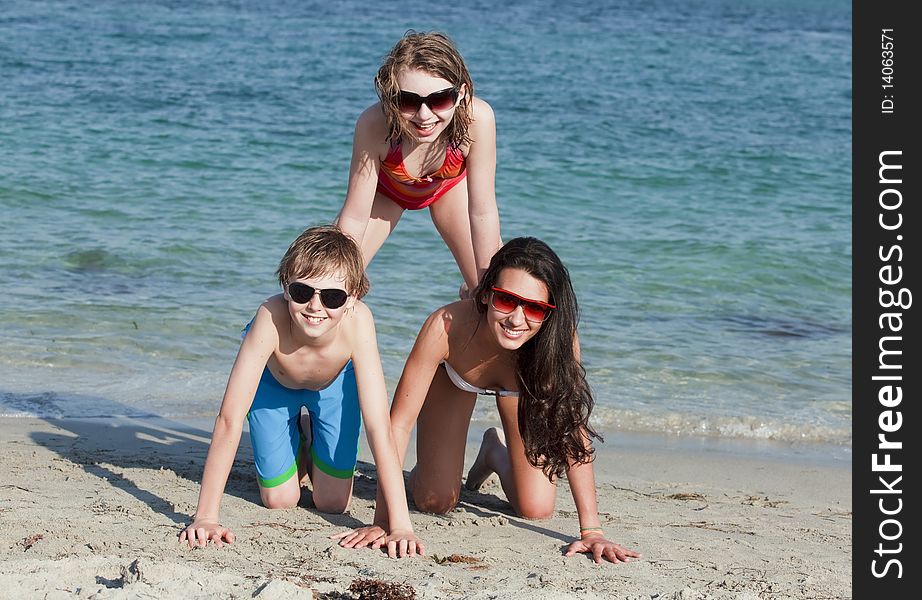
435,54
555,400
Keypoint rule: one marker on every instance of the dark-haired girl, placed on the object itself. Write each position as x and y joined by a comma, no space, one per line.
515,340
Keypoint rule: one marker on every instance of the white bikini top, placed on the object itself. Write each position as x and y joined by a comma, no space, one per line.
463,385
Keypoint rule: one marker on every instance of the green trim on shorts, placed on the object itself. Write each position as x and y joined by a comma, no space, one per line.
331,471
280,479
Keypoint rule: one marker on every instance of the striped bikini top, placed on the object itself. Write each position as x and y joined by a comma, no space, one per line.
395,180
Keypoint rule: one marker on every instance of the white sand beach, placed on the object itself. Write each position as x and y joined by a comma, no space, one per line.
92,509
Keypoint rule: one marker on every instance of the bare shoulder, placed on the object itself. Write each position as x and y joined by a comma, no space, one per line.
357,336
450,319
357,327
274,311
371,124
482,113
360,316
482,128
271,318
275,302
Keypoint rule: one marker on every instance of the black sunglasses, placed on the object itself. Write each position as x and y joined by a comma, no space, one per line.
301,293
442,100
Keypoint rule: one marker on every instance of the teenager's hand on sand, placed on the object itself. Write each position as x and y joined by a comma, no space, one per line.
401,544
202,530
602,548
359,538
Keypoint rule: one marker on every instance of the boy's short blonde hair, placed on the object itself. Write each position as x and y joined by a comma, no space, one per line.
321,251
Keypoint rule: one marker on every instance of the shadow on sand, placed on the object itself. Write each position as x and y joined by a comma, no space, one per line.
105,445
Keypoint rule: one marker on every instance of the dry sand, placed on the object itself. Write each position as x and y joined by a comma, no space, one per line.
92,509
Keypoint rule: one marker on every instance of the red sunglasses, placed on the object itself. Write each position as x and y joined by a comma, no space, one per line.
505,302
440,101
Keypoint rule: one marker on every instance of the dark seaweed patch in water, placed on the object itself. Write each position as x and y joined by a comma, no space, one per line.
782,327
90,261
97,272
96,286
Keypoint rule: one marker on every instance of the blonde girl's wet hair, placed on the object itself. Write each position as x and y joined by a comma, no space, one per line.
322,251
435,54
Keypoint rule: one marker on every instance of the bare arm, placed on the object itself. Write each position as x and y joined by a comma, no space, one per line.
430,348
373,402
581,477
481,176
363,175
255,350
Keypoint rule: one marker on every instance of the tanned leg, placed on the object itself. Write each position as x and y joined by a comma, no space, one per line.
441,436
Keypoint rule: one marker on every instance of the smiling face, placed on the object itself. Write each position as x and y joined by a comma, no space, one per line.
426,125
312,318
511,330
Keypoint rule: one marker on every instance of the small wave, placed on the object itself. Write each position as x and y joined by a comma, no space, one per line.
606,420
52,405
40,405
729,427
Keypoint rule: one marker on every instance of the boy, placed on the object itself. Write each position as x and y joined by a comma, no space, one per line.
313,345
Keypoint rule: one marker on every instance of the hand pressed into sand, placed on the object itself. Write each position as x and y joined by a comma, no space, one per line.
360,537
602,548
398,543
203,530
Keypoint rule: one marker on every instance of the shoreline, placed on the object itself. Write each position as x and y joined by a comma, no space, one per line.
823,452
29,393
94,507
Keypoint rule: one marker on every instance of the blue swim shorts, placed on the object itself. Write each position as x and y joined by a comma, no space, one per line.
275,430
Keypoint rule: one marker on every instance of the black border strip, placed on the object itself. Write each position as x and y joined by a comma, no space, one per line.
885,271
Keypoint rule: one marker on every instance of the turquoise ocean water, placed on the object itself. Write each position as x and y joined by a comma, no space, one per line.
690,162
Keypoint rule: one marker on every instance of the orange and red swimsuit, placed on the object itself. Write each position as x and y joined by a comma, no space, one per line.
414,193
